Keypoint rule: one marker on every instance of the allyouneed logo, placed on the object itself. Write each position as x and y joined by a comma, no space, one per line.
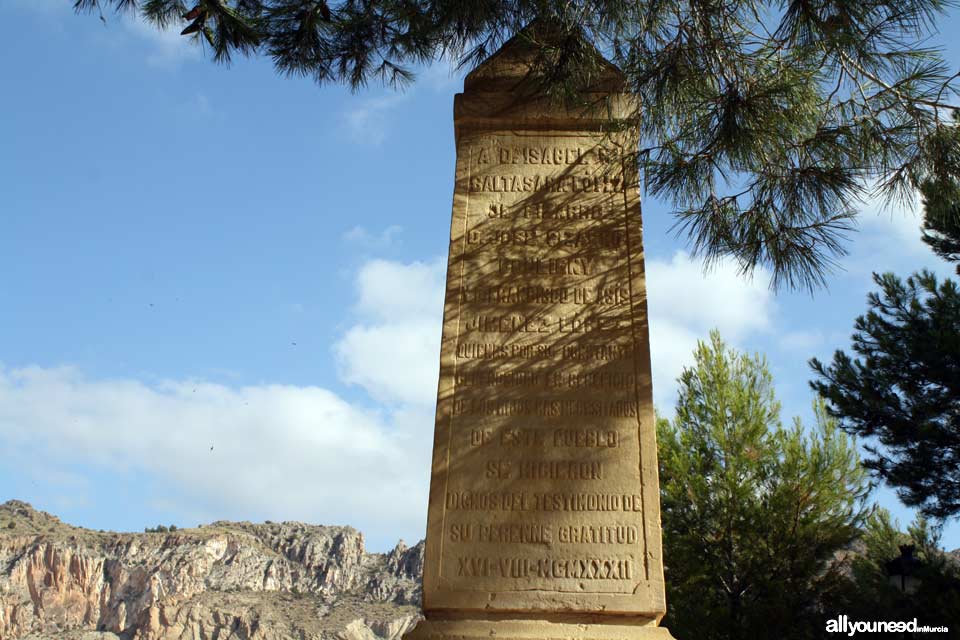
843,624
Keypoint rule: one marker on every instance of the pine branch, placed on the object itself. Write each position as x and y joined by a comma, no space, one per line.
761,123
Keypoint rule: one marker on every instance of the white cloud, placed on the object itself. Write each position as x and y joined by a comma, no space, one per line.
397,362
368,121
723,298
671,349
167,47
273,450
362,237
897,222
393,291
685,303
394,353
887,235
265,451
889,238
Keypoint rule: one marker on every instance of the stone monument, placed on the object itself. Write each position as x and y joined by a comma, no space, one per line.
544,507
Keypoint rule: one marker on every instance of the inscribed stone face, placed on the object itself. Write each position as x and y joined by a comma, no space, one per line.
544,493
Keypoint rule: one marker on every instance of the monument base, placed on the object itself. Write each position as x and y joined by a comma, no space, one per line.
585,628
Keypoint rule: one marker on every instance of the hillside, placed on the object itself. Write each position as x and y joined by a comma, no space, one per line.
223,580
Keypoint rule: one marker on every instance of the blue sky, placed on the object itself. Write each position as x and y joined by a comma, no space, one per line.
221,290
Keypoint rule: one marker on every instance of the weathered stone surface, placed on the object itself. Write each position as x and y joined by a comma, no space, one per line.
539,628
239,580
544,504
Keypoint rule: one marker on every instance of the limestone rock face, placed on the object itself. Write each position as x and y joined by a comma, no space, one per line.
228,580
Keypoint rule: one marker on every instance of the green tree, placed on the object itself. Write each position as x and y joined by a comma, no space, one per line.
941,199
902,394
752,511
763,121
933,598
941,219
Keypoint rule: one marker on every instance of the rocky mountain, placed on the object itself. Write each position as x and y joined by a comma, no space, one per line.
226,580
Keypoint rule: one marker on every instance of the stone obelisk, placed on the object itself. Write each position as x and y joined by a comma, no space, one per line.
544,508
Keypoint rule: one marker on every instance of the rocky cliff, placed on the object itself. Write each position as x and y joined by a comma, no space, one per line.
220,581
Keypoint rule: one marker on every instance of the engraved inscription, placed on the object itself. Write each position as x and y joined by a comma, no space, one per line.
545,408
542,488
513,501
547,379
539,183
572,534
576,351
516,294
526,567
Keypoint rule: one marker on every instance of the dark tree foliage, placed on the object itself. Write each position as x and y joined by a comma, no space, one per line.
941,200
933,598
762,121
941,221
902,394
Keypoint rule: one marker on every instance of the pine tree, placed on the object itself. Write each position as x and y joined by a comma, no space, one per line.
763,122
941,199
941,219
752,511
932,597
902,393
